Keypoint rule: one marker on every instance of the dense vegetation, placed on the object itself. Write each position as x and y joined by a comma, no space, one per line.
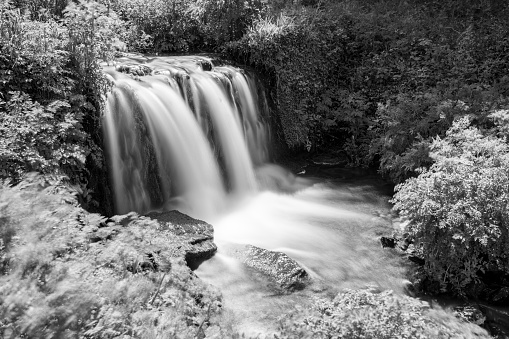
370,314
416,88
459,208
57,281
380,78
51,91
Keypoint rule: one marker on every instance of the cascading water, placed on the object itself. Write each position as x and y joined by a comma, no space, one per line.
194,137
183,138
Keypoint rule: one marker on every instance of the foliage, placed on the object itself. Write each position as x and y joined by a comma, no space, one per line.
164,26
55,282
274,45
46,139
32,56
380,78
93,32
458,208
406,126
52,88
37,9
370,314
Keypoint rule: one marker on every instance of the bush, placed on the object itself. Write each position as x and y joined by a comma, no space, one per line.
41,122
55,282
458,208
300,51
169,26
46,139
52,88
373,315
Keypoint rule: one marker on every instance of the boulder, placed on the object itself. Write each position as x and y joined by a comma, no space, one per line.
155,238
278,267
388,242
196,235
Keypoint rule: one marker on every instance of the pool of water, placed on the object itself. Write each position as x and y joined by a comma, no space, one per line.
330,222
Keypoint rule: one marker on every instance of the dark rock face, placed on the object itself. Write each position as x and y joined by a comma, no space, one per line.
285,272
388,242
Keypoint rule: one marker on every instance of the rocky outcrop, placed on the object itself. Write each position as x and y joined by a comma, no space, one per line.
154,238
284,272
196,235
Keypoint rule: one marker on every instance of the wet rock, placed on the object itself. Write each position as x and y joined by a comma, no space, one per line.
206,65
405,247
162,235
388,242
285,272
196,235
470,314
404,243
136,70
416,259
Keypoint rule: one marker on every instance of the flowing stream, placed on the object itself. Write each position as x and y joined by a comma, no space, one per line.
331,226
185,134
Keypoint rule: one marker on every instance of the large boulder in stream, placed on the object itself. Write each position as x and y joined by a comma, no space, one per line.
278,267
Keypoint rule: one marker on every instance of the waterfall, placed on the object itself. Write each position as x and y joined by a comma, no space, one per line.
186,136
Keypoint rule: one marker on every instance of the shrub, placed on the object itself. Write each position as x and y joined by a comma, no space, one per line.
165,26
294,48
373,315
46,139
458,208
56,283
52,82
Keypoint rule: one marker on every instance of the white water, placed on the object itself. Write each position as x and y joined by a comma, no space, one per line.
197,141
183,138
331,227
